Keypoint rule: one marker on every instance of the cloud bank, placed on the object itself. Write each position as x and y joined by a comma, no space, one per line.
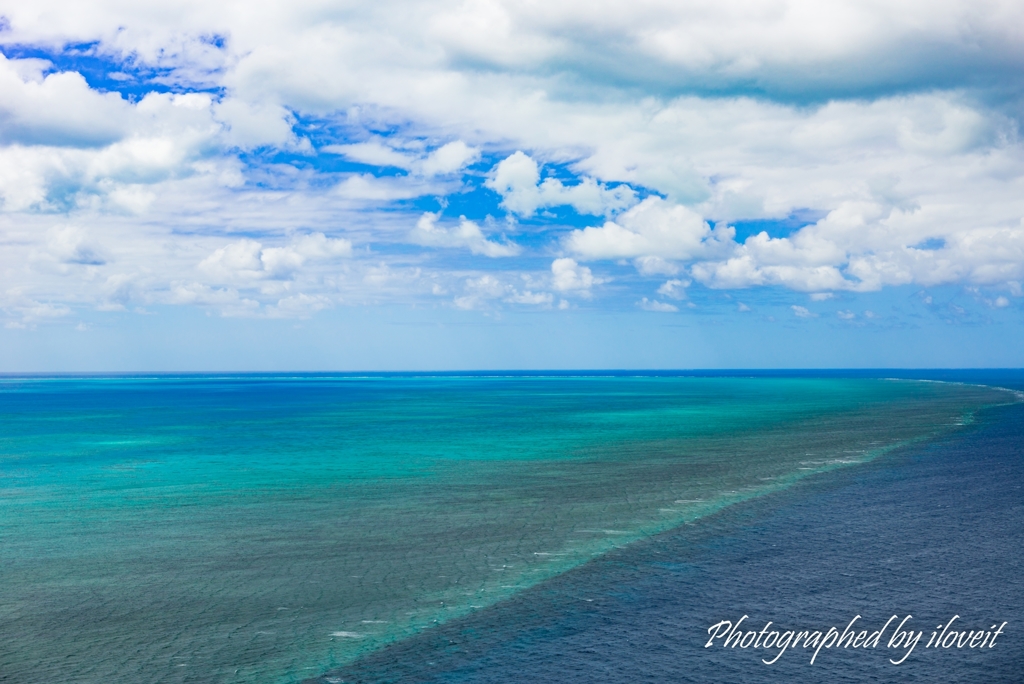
282,158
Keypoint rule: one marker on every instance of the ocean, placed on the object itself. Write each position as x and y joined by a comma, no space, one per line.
482,527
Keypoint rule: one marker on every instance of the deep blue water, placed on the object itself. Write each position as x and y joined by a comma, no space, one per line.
932,531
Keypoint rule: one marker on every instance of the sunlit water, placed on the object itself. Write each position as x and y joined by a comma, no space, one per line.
265,529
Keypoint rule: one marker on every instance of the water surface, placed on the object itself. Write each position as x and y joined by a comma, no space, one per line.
268,528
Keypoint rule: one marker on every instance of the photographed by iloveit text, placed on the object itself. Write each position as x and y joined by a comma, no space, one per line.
901,639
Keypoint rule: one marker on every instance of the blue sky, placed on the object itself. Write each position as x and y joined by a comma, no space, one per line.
321,185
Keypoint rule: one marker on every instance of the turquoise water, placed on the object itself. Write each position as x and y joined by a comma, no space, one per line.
266,529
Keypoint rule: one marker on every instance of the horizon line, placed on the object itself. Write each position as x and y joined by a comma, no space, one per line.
540,372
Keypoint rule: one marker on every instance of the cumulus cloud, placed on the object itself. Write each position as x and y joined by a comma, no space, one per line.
466,235
251,125
227,300
865,246
654,230
246,259
27,312
654,265
655,305
237,259
480,290
161,137
885,125
56,108
517,180
71,245
445,160
534,298
365,187
569,276
301,305
675,288
449,158
788,48
484,291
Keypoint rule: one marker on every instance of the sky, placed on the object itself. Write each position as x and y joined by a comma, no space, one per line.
490,184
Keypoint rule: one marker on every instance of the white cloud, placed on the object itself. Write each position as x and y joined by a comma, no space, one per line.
298,306
247,260
56,108
744,271
912,174
448,158
654,229
445,160
71,245
32,310
655,305
517,180
532,298
865,246
374,153
134,198
226,300
466,235
802,312
480,292
25,311
654,265
250,125
487,291
568,276
792,47
846,315
319,246
158,138
675,288
367,187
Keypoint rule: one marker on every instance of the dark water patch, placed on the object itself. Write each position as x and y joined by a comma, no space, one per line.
930,531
